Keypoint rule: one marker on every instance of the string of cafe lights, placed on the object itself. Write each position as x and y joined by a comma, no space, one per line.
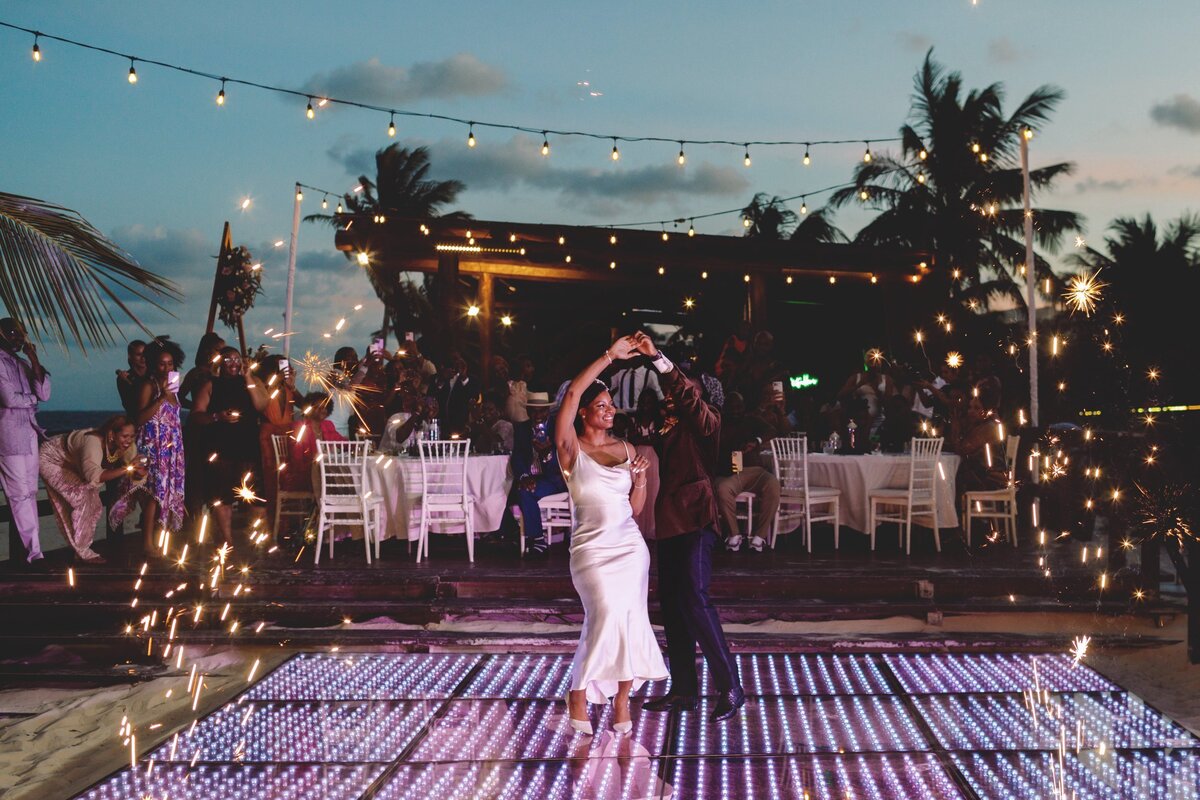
322,101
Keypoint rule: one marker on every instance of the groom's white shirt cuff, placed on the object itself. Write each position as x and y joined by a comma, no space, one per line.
662,364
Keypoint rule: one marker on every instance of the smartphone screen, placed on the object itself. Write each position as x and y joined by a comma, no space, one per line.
777,387
410,336
376,346
173,381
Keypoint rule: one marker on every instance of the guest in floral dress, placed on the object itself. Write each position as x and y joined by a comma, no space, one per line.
75,466
160,445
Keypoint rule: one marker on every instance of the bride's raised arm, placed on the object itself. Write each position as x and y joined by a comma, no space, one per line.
564,427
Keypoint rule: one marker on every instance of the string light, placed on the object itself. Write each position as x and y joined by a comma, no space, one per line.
37,51
1027,133
803,207
807,158
745,222
325,202
616,154
746,157
924,154
392,126
132,72
920,177
308,112
867,154
864,195
612,238
682,158
691,228
506,321
299,193
545,144
471,135
339,208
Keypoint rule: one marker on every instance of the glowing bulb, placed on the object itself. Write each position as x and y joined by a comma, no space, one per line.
561,239
682,159
391,127
746,157
612,265
689,303
832,279
37,51
471,136
691,229
864,195
308,112
325,202
983,157
616,154
921,177
506,321
867,154
789,279
745,222
874,279
339,208
1027,133
662,270
924,154
363,258
746,278
245,203
299,194
545,145
132,72
803,207
665,236
473,311
974,147
807,160
612,238
221,94
704,275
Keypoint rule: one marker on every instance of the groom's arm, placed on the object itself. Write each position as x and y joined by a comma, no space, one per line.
689,403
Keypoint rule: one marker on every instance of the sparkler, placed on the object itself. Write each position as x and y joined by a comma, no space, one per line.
1079,648
1084,292
245,492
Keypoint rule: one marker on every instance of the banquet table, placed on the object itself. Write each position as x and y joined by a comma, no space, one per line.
856,475
397,479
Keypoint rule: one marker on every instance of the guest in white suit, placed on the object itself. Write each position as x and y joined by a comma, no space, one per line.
23,384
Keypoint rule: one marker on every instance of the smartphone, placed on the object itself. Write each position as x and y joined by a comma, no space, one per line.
285,367
173,381
376,346
410,336
777,387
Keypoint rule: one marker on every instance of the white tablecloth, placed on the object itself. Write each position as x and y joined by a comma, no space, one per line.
857,475
397,479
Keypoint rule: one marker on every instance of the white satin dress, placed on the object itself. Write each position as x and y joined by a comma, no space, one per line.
610,567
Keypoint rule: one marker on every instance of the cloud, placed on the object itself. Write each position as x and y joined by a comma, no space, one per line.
1003,50
357,160
516,163
1185,171
1092,184
914,42
1181,111
371,81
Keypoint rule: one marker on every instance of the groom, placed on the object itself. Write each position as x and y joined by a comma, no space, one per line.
685,516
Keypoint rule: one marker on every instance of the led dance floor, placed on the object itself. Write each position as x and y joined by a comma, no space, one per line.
880,726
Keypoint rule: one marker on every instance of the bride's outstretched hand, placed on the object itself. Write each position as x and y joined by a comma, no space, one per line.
643,344
621,349
639,465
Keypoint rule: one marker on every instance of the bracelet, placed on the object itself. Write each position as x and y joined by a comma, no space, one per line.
609,357
639,485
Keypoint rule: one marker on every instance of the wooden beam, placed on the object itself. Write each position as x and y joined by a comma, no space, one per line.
486,301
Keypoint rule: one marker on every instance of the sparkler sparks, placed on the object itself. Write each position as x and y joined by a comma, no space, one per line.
1084,292
245,492
954,359
1079,648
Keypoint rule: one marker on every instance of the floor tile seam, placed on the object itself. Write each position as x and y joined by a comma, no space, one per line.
381,780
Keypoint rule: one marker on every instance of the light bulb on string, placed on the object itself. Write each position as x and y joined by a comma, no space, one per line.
545,144
221,94
920,177
299,194
616,154
682,158
974,147
1027,133
983,157
308,112
392,126
37,51
471,134
745,222
746,157
612,238
132,72
339,208
807,159
325,202
803,206
691,228
665,235
864,195
924,154
867,153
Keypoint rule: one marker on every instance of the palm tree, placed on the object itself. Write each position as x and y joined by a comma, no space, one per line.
402,188
816,228
769,218
955,188
61,277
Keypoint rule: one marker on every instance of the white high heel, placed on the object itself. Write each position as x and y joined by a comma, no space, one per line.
621,728
583,726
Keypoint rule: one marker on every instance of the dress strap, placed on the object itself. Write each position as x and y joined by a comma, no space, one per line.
628,456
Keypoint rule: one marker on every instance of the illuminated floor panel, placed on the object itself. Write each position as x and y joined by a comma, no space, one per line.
823,725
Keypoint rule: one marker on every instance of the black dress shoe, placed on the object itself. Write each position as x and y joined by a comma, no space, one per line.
683,702
728,704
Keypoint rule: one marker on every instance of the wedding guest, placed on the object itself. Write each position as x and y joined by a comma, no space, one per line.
278,415
373,390
631,382
129,380
499,430
455,391
312,427
500,384
747,436
646,419
160,443
347,370
404,427
733,352
75,465
411,353
202,371
22,385
227,408
514,408
970,436
534,464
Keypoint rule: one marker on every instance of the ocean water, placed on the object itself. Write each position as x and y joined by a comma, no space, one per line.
63,421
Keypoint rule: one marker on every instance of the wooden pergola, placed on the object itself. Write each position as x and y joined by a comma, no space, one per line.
612,257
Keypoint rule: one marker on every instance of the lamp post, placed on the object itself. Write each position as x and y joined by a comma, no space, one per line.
291,274
1030,280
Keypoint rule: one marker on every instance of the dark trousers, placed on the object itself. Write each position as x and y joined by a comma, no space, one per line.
689,617
528,502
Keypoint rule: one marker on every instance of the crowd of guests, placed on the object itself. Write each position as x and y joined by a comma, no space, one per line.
189,441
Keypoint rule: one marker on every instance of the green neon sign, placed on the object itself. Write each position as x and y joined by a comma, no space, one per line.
804,381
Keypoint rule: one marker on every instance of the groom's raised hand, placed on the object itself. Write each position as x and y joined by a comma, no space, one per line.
643,344
621,349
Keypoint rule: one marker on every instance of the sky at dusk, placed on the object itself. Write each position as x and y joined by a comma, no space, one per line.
159,167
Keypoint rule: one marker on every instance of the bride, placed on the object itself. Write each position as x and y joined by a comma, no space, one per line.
610,563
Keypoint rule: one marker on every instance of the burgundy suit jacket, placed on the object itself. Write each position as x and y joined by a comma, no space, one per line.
687,457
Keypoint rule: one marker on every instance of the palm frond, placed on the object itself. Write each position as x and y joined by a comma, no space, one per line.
60,276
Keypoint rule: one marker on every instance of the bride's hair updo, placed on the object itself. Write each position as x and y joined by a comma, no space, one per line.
589,394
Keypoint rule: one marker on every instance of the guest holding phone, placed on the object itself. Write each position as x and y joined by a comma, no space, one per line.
278,415
160,448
